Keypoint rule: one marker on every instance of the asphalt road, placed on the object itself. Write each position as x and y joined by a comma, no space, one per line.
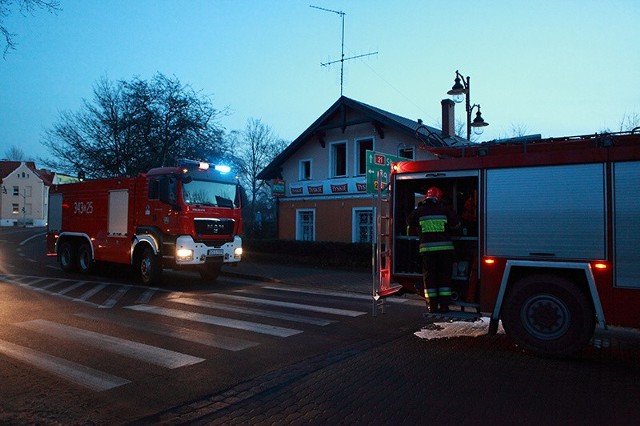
99,349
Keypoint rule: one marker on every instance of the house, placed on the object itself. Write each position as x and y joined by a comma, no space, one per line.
25,193
324,170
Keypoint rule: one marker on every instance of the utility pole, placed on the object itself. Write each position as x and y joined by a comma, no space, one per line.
24,208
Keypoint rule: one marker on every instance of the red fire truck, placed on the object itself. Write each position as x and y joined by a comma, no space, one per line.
172,217
550,238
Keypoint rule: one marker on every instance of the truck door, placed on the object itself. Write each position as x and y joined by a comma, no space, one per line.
118,244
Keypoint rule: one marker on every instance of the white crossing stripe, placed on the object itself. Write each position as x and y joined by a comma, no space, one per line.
359,296
91,292
250,311
221,321
111,301
48,286
147,353
182,333
147,295
76,373
72,287
301,306
36,281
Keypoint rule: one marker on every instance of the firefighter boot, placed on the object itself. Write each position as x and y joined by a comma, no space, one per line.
444,304
432,306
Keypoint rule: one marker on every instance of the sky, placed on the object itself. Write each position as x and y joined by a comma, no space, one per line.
557,68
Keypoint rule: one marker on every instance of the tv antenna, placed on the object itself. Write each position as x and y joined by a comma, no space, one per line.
342,58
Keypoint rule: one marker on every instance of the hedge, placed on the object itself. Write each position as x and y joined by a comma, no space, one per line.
316,253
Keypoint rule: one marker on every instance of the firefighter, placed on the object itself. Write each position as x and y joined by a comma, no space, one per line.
435,223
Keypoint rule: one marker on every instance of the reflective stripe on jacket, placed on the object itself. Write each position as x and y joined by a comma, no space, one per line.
434,223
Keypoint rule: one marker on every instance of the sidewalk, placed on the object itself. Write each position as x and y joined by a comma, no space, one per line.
355,281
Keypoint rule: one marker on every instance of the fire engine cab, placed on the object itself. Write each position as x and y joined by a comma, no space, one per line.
187,216
550,234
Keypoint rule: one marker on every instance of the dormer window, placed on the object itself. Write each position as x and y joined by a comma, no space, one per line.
362,146
305,170
338,160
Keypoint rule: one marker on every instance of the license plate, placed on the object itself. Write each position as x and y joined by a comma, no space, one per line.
215,252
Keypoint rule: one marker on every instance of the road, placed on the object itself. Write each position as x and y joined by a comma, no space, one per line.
99,349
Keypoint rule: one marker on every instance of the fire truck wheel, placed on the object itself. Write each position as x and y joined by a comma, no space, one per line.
148,266
85,258
68,257
210,272
548,315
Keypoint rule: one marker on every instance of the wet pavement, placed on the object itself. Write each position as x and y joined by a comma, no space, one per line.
403,379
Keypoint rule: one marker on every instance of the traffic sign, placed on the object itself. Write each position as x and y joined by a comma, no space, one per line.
379,162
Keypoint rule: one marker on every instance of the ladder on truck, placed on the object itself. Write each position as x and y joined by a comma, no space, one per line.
381,250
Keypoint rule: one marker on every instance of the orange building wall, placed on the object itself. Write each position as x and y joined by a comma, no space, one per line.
333,217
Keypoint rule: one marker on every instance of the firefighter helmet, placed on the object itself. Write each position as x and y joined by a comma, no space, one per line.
434,193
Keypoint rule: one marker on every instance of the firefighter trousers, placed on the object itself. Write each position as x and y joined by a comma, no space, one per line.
436,277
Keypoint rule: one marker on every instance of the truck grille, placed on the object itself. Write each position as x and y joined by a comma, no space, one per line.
214,226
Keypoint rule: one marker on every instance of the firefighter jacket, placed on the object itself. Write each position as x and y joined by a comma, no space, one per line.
434,223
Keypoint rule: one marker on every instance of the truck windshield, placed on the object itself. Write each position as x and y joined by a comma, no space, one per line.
208,193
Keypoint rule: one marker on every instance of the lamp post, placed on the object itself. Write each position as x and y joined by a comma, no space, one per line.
461,88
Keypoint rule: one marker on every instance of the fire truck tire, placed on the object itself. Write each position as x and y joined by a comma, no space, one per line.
85,258
548,316
148,266
210,272
68,257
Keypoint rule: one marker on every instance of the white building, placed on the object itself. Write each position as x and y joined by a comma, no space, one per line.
24,194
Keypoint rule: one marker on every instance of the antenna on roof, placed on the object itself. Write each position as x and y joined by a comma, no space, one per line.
342,58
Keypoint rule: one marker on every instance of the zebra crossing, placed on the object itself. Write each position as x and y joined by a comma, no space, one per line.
240,321
98,294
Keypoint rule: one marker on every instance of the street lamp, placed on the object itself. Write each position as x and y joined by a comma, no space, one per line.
460,88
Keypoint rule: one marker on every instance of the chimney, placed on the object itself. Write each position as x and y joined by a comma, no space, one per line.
448,118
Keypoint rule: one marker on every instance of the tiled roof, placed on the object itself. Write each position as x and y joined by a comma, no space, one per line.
386,118
7,167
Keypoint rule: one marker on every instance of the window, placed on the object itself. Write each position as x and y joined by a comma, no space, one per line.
153,188
305,170
16,190
305,225
362,225
27,191
15,209
406,152
338,160
361,154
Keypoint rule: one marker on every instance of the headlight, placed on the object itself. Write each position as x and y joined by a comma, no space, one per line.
237,252
184,254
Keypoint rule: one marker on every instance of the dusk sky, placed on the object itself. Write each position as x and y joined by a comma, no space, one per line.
558,68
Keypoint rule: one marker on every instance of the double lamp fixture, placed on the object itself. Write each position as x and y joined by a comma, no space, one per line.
461,88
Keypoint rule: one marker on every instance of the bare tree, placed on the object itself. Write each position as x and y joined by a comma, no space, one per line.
518,130
24,7
132,126
629,121
256,147
461,131
14,154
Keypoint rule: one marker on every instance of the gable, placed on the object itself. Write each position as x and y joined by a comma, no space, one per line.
13,168
343,114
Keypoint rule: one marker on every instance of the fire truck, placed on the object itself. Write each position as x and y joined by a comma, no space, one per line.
181,217
550,234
